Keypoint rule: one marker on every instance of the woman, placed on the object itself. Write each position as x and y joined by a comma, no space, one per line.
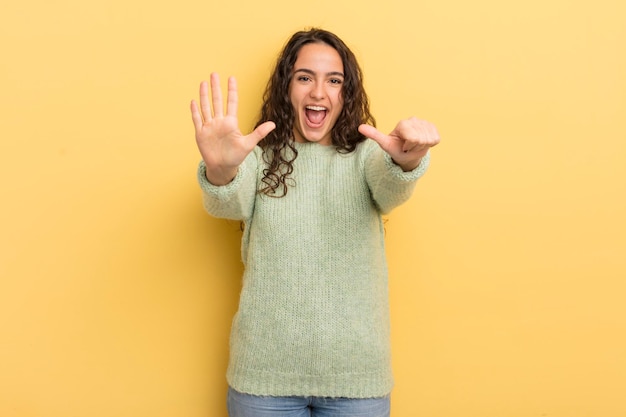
311,336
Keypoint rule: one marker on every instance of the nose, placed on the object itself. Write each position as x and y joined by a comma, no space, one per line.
317,91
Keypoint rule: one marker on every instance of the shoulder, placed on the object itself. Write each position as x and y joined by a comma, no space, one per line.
367,149
257,152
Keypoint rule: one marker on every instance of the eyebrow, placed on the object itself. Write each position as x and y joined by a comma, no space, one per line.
311,72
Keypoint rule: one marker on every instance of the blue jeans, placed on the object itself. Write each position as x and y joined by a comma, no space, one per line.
246,405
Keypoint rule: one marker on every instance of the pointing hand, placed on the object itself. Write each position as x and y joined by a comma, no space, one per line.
407,143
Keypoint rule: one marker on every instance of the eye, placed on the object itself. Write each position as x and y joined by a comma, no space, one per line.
336,81
304,78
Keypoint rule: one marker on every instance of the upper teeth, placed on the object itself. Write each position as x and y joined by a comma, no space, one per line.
316,108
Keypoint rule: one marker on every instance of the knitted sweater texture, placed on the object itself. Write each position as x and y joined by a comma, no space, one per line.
313,316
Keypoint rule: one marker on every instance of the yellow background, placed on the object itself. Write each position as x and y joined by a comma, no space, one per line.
507,266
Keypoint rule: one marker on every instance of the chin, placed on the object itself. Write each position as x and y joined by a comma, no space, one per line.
321,141
321,138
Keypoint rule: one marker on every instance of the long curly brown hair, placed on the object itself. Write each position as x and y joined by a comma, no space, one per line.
279,151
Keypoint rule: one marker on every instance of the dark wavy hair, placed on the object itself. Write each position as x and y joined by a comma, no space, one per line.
279,151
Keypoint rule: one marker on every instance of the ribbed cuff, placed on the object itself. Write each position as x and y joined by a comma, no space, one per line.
220,192
408,176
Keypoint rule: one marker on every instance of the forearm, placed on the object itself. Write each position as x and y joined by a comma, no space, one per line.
390,185
235,199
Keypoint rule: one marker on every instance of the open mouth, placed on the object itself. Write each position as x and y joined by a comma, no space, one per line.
315,115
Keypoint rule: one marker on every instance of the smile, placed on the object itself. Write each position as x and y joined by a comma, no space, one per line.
315,115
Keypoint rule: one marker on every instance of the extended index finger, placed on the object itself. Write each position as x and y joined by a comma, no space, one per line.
233,97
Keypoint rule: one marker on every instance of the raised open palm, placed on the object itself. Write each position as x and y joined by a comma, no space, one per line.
222,145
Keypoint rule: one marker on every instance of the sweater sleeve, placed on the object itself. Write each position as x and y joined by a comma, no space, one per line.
234,200
389,185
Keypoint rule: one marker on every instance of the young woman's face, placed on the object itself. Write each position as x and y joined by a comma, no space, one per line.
315,92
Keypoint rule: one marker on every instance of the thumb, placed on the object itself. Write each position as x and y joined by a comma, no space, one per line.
261,131
375,134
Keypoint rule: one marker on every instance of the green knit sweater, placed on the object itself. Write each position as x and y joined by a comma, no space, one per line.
313,316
